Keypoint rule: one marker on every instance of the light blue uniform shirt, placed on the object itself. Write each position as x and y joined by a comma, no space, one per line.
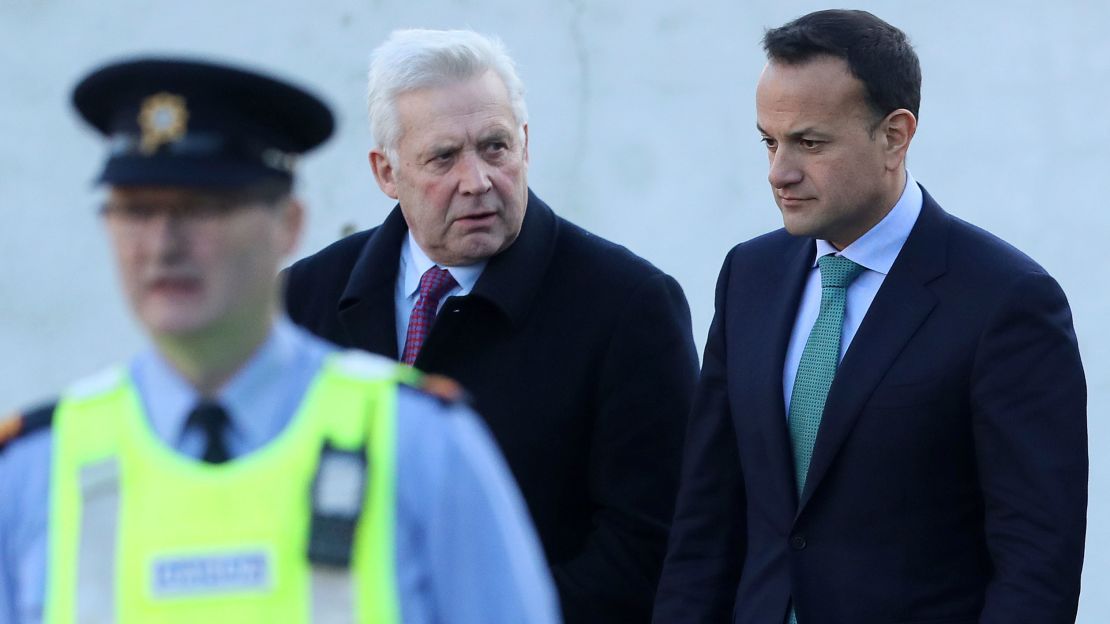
876,252
465,549
413,264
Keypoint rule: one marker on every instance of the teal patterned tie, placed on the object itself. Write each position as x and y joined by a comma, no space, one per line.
819,360
818,366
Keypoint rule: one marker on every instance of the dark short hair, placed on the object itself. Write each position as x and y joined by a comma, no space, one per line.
877,54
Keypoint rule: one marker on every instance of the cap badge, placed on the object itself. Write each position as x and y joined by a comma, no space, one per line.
163,119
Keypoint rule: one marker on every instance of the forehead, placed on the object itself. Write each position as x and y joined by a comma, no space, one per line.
818,92
181,200
458,108
160,194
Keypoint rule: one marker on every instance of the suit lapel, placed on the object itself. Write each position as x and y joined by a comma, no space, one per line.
780,297
366,309
899,308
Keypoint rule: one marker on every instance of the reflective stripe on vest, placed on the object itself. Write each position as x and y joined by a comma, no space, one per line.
154,536
96,598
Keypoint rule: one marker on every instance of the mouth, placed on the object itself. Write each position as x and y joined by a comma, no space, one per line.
790,201
173,285
477,219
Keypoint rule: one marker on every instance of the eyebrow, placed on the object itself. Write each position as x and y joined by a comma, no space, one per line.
808,131
494,133
440,148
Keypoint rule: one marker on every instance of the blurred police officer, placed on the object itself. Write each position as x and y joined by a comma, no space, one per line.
240,470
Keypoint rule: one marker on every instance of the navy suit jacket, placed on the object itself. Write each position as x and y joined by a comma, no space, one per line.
949,476
580,358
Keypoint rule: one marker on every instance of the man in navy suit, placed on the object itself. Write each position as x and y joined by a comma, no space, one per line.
890,425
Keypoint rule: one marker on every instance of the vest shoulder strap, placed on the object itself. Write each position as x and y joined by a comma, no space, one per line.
363,365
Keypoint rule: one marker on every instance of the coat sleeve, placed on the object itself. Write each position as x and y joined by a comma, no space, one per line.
1029,405
645,387
706,547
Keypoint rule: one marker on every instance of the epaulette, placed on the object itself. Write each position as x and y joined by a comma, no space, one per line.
19,424
443,388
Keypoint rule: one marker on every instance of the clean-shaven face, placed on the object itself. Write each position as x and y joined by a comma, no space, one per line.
461,170
828,168
192,261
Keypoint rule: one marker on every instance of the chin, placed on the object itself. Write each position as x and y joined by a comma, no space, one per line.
797,229
174,323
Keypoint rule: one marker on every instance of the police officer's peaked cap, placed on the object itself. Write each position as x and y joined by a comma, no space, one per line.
175,122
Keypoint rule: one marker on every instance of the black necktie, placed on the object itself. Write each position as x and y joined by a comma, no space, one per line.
210,417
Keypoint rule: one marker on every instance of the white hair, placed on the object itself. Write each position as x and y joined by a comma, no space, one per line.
415,59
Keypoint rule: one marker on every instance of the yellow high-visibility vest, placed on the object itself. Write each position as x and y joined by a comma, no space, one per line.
139,533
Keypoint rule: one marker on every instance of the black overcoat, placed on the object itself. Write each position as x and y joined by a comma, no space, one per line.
579,356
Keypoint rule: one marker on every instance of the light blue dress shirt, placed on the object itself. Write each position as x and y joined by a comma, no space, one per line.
876,251
465,549
414,263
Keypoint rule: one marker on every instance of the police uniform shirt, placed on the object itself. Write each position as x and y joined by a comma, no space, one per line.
450,479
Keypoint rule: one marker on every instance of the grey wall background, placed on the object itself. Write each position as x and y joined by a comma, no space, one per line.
642,130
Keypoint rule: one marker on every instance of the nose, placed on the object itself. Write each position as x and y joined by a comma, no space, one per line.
784,170
166,234
474,174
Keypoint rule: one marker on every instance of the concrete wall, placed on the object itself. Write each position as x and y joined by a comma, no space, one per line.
642,130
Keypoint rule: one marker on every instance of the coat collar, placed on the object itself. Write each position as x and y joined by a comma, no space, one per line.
510,282
512,279
902,304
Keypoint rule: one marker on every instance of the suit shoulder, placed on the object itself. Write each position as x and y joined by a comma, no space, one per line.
313,285
975,251
766,249
23,424
772,242
602,257
342,254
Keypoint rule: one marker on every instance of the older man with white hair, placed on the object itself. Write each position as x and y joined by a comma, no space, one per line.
577,352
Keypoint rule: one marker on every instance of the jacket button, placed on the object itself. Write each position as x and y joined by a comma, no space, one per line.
798,542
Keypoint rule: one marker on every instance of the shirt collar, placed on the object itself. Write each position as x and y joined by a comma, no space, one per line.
176,397
414,263
878,248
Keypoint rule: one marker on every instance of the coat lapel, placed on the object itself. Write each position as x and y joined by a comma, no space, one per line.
513,278
780,297
366,309
901,305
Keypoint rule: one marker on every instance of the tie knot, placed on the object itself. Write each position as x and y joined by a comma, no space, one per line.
435,282
837,271
209,416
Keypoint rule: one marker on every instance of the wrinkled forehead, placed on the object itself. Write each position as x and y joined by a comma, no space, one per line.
456,96
468,108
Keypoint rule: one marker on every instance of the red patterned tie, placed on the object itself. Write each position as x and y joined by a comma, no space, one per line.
433,285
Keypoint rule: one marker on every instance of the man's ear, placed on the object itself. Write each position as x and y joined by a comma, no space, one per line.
897,131
293,216
384,172
525,143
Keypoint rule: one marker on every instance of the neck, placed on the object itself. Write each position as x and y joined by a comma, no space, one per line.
209,358
886,203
